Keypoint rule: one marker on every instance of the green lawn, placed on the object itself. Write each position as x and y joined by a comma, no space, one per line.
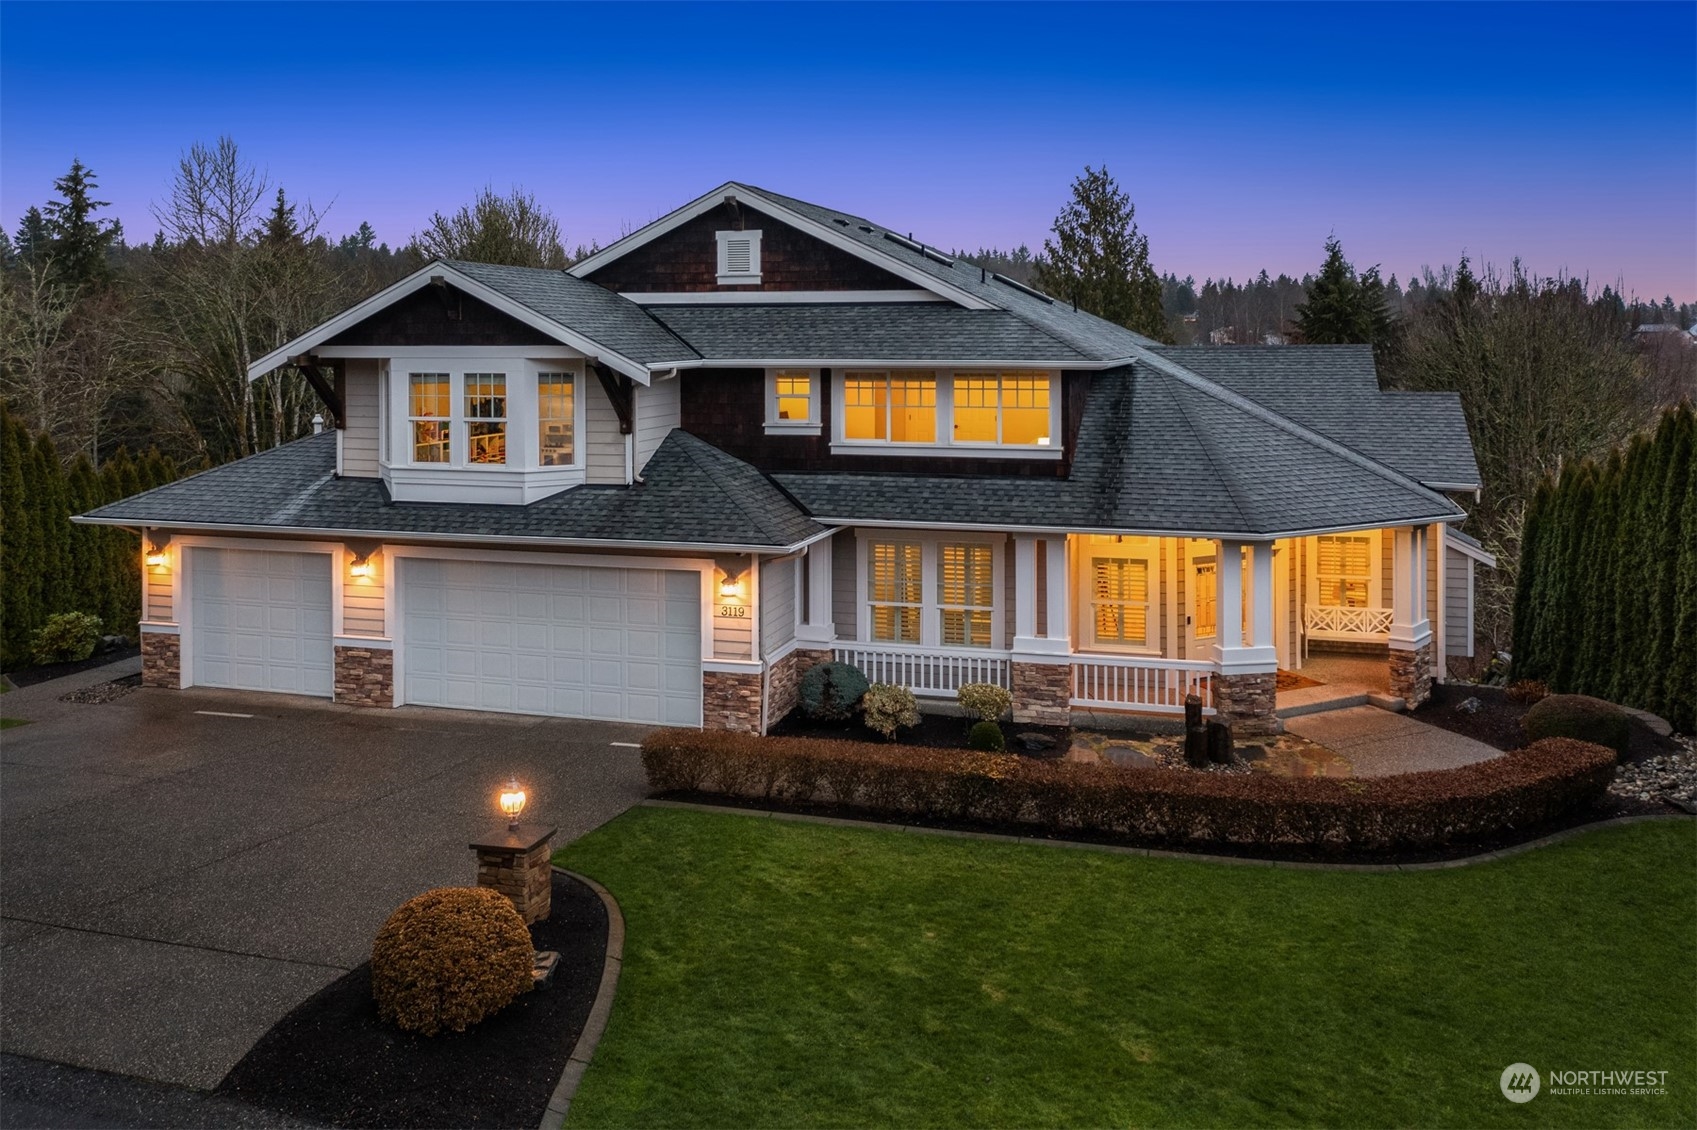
785,974
8,723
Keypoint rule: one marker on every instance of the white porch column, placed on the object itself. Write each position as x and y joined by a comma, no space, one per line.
1024,593
818,626
1235,655
1059,627
1410,628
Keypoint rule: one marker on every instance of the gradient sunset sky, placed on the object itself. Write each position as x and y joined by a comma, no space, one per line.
1565,134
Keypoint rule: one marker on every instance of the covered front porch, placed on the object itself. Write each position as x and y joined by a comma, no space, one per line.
1097,623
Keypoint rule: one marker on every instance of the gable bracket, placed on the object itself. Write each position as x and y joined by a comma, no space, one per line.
331,391
619,390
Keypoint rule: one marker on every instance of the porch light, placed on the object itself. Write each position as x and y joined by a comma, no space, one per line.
361,566
512,803
731,587
157,554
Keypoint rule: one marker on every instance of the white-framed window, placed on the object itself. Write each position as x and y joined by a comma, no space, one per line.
936,590
1345,573
1119,580
792,401
430,413
556,419
486,418
1002,412
739,257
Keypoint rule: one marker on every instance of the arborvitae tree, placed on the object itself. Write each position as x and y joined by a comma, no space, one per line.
1682,667
1602,574
81,243
1673,450
20,558
1100,261
90,582
1531,578
49,510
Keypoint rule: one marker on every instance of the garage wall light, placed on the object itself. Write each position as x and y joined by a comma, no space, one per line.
158,553
731,587
361,566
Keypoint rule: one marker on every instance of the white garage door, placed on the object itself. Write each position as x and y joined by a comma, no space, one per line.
618,644
261,620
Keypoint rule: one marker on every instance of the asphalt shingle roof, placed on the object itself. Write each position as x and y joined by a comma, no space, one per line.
1334,389
917,331
593,311
692,493
1155,454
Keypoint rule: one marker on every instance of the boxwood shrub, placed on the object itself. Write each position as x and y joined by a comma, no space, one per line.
1523,788
1582,717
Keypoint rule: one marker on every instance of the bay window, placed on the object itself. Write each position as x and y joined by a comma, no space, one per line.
556,397
430,412
931,590
486,417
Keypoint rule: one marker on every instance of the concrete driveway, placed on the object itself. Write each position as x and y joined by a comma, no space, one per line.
174,879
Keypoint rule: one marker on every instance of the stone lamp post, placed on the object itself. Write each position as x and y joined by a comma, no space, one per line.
515,859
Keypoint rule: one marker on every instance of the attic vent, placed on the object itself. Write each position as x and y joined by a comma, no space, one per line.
866,228
1019,286
739,258
839,221
914,245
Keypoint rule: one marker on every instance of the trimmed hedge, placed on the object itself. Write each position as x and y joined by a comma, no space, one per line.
1523,788
1580,717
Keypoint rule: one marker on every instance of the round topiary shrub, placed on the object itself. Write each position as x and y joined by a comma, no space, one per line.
984,701
1582,717
450,958
831,691
986,737
67,637
886,708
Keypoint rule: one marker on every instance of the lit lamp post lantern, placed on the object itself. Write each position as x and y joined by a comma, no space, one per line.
512,803
515,860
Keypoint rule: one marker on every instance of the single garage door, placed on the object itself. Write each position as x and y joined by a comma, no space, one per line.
581,642
261,620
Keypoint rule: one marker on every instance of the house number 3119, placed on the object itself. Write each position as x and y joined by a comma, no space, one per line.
734,611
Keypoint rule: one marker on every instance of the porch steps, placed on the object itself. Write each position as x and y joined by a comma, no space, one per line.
1332,696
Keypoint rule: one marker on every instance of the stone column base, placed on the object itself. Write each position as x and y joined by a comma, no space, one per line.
1411,674
1042,693
1248,703
517,865
365,676
161,660
783,680
730,700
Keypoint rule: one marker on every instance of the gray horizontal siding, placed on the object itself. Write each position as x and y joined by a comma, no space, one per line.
777,604
359,437
1458,598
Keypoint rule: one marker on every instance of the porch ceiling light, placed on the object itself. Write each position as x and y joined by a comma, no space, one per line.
512,803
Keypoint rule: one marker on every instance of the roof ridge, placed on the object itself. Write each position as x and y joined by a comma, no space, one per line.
1243,403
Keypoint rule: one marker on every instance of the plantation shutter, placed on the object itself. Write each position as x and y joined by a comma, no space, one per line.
1344,567
1120,587
966,594
894,590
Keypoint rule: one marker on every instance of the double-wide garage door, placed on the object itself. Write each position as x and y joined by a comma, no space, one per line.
261,621
577,641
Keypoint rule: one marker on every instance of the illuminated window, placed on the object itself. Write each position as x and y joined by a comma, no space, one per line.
1119,594
556,419
894,585
486,417
966,594
1343,570
430,409
790,400
900,406
1205,598
1006,408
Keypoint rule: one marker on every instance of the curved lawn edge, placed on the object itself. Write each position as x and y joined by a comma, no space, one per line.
560,1102
1168,853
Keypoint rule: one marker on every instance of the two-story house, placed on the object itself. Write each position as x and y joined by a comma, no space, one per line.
758,433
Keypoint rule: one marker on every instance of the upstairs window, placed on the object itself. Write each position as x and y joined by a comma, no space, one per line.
896,407
556,397
430,411
486,417
739,257
1343,570
1004,408
792,401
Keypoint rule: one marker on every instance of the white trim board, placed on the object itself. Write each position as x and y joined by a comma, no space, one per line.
825,233
422,278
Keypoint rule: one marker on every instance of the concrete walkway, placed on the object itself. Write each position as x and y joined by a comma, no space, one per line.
1377,743
181,868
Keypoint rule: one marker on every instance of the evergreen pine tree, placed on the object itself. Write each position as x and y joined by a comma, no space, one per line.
81,243
1100,261
280,228
1333,314
33,240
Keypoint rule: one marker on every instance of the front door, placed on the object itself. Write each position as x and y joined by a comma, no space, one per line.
1201,594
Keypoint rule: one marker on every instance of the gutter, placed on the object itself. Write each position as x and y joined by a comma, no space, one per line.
888,523
448,539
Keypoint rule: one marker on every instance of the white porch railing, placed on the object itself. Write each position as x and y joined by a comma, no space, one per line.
928,671
1346,623
1129,682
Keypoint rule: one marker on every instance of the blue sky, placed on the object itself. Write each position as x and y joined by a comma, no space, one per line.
1565,134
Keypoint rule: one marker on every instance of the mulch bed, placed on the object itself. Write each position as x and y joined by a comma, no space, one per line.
332,1061
935,731
29,676
1497,722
